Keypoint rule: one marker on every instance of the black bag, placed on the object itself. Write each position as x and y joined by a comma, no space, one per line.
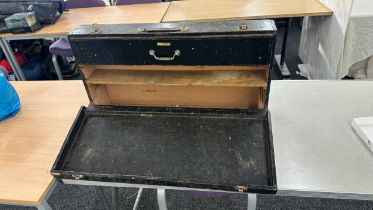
47,11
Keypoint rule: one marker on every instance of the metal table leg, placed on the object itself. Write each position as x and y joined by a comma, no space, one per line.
161,197
280,59
57,67
114,198
137,199
103,197
251,201
8,57
12,59
44,206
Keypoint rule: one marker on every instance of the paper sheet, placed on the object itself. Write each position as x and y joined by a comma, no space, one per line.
364,129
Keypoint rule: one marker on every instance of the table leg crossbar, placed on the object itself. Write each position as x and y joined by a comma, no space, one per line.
101,193
280,59
251,201
162,204
115,198
137,201
161,197
44,206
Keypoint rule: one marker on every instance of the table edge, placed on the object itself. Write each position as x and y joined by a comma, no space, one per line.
166,20
29,202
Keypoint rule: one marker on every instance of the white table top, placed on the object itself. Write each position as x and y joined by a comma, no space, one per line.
316,150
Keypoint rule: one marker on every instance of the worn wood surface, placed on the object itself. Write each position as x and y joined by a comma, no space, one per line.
30,142
199,88
137,13
176,67
178,96
197,10
181,78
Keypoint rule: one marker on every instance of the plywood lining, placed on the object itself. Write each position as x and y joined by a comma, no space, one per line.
99,94
233,87
179,96
180,78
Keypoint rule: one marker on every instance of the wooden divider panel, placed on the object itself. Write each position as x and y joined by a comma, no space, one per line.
234,87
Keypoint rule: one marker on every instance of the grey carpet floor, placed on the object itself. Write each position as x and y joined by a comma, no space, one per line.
85,197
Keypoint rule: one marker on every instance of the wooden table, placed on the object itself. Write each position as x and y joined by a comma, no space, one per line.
203,10
198,10
136,13
30,142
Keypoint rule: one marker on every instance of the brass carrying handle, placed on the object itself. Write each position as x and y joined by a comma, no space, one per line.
176,53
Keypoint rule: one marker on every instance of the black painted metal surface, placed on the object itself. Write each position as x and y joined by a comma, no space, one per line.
208,149
247,42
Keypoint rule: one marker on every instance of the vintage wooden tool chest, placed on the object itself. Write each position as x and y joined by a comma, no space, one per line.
174,104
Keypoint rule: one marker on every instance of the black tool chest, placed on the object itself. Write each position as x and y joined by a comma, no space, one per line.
175,104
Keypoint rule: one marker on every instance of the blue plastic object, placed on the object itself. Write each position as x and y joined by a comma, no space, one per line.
9,99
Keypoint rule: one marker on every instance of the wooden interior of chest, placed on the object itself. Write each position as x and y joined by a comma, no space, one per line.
231,87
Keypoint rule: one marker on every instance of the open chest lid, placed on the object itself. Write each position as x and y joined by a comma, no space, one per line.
224,65
178,29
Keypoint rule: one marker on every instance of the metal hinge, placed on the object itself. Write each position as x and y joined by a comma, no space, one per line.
243,27
95,29
241,188
77,177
